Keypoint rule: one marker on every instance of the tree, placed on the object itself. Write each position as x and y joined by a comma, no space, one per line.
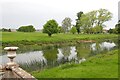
103,15
73,30
97,29
29,28
66,24
78,23
110,31
117,28
85,23
60,29
9,30
50,27
95,18
5,30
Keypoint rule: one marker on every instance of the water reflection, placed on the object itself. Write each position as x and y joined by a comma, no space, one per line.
107,45
102,46
26,58
72,56
60,56
54,56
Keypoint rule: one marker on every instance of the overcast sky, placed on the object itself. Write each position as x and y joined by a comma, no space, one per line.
15,13
119,10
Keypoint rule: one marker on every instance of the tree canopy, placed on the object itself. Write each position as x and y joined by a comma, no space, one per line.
66,24
96,19
29,28
73,30
78,23
50,27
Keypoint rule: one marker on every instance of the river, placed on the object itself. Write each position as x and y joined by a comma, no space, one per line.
54,56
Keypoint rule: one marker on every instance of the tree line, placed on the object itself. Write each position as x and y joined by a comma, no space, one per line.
115,30
90,23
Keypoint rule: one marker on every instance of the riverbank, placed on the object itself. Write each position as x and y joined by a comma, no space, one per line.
36,38
41,37
99,66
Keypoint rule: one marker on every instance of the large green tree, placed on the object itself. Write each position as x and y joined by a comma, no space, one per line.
85,23
96,19
50,27
66,24
103,15
78,23
29,28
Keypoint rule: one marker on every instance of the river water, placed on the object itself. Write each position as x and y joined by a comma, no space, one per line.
54,56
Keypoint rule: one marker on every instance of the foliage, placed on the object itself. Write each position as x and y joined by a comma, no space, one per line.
111,31
73,30
60,29
6,30
96,19
97,29
78,23
103,15
115,30
50,27
66,24
28,28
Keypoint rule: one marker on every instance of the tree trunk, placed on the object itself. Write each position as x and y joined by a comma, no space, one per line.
49,35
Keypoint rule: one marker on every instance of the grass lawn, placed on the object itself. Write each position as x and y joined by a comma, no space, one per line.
99,66
36,36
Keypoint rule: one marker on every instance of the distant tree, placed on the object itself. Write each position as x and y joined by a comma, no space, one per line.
78,23
50,27
9,30
110,31
96,19
97,29
28,28
60,29
103,15
66,24
5,30
118,21
117,28
85,23
73,30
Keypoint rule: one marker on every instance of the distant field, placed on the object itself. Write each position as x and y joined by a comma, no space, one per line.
36,36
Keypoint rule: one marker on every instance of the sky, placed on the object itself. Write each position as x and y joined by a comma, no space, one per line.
119,10
16,13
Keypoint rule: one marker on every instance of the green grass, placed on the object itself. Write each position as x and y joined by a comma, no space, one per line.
36,36
30,41
99,66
